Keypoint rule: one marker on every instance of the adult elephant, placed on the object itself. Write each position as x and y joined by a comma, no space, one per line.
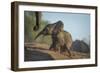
61,40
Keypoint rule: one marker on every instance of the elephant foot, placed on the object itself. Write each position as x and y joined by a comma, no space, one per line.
65,54
53,49
70,56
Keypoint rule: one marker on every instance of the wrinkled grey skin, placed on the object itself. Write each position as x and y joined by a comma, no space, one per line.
61,40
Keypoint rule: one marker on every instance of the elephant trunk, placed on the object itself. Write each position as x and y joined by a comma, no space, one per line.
38,35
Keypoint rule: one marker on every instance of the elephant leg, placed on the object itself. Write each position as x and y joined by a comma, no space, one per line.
65,48
69,52
62,50
53,47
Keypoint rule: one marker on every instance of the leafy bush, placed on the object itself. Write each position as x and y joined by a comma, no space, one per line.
29,33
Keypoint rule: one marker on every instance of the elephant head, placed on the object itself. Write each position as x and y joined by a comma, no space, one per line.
51,28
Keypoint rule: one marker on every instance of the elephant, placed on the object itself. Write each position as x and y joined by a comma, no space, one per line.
61,40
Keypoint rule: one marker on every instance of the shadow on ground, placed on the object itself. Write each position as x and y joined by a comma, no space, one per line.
35,55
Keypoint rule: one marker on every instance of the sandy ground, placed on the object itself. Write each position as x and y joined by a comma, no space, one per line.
40,52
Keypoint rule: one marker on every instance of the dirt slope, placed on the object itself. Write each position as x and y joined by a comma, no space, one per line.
43,51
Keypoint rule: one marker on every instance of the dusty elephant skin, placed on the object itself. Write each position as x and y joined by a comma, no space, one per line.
61,40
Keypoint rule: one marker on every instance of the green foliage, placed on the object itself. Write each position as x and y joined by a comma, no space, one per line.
30,34
29,20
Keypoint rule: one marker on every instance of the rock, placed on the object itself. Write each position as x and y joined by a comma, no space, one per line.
80,46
